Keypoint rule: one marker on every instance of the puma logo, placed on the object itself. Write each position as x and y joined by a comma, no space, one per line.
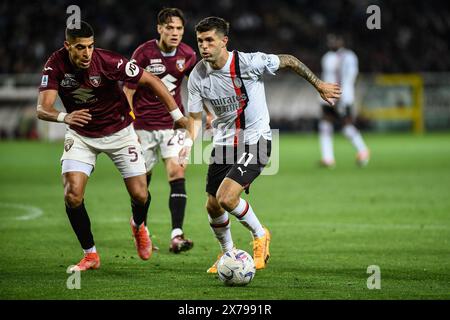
119,63
48,68
242,171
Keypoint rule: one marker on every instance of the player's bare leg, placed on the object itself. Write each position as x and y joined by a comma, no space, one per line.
326,141
74,188
220,226
229,198
177,205
353,134
140,201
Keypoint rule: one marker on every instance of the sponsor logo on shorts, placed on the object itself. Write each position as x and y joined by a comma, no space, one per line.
242,171
68,143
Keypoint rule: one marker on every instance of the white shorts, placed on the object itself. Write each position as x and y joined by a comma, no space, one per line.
167,142
121,147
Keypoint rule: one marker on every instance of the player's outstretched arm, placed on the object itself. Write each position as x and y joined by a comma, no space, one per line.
129,93
160,90
328,91
46,111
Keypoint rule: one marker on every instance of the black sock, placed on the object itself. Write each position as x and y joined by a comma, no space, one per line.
81,224
177,202
140,211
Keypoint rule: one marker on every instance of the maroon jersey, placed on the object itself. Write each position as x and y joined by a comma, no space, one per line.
95,88
149,111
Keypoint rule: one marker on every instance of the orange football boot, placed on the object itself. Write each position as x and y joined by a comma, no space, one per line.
89,261
142,240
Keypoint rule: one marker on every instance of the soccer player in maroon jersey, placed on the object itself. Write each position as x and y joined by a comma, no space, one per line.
171,60
98,119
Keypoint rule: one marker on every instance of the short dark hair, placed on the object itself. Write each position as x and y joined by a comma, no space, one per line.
213,23
85,31
166,14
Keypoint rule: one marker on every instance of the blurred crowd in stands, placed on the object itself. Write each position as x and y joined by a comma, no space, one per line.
414,35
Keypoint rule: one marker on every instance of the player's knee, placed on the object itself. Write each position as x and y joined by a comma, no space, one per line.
140,196
213,208
227,201
176,173
73,199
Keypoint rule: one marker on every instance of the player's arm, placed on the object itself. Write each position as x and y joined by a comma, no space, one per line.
209,118
46,111
193,127
159,89
129,93
328,91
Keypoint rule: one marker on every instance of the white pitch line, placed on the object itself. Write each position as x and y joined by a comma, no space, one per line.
31,211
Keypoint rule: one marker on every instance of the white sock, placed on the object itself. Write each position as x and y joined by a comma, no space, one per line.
134,223
326,140
176,232
247,217
90,250
351,133
221,228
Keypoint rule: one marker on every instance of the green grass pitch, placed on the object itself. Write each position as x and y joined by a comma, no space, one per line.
327,227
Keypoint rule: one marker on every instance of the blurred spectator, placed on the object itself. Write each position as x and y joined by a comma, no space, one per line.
414,34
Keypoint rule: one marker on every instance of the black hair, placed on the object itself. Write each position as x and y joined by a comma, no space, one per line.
84,31
213,23
166,14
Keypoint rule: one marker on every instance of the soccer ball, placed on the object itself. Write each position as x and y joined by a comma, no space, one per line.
236,268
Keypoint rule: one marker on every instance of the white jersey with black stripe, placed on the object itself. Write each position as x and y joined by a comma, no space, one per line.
235,95
341,67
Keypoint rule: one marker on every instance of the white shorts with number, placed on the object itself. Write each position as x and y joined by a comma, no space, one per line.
122,148
167,143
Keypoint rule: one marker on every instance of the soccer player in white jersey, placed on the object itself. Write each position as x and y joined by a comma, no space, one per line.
230,85
340,65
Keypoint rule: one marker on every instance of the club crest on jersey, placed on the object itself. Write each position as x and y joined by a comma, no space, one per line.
68,144
181,64
237,82
69,81
95,80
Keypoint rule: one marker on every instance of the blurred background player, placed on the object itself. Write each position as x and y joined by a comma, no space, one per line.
340,65
171,60
231,86
86,80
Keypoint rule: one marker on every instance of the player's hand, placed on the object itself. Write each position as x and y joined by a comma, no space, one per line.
330,92
183,156
208,124
181,124
78,118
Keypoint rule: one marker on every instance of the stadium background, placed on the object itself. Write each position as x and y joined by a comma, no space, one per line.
331,223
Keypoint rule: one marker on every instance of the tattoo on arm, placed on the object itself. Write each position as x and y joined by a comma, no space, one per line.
288,61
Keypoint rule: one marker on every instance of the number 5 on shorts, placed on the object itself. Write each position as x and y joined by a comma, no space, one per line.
132,151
